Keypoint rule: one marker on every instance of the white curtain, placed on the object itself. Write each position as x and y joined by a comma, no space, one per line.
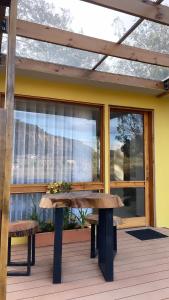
55,142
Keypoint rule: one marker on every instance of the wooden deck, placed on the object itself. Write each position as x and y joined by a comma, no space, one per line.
141,272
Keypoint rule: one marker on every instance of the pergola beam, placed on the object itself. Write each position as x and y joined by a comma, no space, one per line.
140,8
87,75
125,35
82,42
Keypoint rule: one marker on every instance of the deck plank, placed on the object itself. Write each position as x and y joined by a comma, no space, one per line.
141,272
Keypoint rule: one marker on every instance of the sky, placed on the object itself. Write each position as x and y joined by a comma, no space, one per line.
94,20
80,129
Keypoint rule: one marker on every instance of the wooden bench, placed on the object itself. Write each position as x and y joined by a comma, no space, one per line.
26,228
93,221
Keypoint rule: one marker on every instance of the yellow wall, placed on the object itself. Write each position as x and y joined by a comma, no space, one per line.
106,96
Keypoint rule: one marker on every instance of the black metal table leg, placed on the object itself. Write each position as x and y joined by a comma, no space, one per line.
33,250
93,251
115,239
9,251
57,255
105,249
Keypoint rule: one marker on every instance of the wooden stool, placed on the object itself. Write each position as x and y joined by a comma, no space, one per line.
93,220
20,229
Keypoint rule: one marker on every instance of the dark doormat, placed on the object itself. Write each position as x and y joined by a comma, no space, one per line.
146,234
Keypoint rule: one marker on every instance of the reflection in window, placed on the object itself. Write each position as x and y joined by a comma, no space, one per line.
56,142
133,199
26,206
126,146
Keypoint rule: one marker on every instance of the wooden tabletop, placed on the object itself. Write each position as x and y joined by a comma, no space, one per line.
81,200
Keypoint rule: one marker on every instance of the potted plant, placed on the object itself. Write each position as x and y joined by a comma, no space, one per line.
74,225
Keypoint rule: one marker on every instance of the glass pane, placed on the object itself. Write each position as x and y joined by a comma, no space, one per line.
133,68
53,53
150,36
77,16
24,206
56,142
126,146
133,199
4,43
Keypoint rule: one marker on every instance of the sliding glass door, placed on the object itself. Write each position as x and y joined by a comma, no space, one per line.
129,165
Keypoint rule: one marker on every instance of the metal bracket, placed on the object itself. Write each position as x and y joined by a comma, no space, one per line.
166,84
3,26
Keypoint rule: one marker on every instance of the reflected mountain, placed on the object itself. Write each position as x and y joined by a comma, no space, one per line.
42,157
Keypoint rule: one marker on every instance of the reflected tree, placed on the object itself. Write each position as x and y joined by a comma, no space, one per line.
129,132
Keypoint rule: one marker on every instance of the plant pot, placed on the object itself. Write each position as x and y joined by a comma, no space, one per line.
69,236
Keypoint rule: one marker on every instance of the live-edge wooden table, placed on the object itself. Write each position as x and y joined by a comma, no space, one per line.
105,203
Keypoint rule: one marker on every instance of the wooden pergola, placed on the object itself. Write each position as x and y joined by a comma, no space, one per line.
145,10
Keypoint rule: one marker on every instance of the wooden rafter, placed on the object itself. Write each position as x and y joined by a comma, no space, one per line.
166,89
141,8
6,155
79,41
88,75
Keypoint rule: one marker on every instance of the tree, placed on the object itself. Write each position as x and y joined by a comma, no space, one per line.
44,12
150,36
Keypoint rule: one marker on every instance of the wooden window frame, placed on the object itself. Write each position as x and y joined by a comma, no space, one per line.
41,188
149,157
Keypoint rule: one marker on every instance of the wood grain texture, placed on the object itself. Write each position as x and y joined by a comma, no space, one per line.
78,73
94,218
87,75
42,188
141,8
80,200
126,184
23,228
2,151
82,42
7,158
147,168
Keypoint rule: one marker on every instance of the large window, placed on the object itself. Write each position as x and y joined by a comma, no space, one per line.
54,141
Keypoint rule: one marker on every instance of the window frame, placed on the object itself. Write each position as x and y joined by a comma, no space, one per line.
35,188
